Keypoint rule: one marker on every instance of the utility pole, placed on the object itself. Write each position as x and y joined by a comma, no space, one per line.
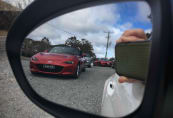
107,46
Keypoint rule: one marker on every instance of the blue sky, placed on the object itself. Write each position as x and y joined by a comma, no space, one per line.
128,13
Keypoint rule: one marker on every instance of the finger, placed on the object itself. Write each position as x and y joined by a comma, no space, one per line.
118,41
130,39
131,80
135,32
138,34
123,79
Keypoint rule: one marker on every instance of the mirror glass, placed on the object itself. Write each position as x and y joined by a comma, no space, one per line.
70,59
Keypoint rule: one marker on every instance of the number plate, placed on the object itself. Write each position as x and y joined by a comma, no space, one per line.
49,66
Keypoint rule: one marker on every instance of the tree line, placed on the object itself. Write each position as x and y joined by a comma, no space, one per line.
84,45
30,47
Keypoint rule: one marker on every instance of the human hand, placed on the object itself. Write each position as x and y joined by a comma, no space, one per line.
130,36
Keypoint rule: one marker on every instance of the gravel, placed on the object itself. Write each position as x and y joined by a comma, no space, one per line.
84,93
13,102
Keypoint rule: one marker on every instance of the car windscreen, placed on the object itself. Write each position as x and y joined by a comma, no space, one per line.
103,59
65,50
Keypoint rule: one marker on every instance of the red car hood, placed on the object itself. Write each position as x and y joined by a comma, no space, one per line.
54,57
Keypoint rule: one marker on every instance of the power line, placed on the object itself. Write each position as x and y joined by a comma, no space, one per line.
64,31
107,46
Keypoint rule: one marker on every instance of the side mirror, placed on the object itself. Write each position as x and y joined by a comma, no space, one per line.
54,83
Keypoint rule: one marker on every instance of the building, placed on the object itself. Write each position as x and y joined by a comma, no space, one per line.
7,15
31,47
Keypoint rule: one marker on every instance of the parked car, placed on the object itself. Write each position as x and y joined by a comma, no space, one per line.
105,62
97,62
60,60
113,63
89,60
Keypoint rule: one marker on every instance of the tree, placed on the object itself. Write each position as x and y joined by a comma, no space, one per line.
44,44
46,40
87,47
112,59
73,42
84,45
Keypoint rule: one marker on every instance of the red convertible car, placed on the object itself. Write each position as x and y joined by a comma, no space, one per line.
97,62
102,62
105,62
60,60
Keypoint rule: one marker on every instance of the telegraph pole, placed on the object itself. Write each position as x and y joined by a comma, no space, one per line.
107,46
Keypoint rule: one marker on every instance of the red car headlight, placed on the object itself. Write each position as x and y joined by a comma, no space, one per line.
34,59
69,62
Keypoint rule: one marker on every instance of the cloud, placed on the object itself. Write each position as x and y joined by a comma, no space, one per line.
90,23
126,26
148,30
89,20
143,11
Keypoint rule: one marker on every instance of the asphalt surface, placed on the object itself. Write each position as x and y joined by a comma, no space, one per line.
84,93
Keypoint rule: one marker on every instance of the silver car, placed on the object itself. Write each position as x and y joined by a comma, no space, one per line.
120,99
89,61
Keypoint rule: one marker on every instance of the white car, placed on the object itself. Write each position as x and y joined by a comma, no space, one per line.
120,99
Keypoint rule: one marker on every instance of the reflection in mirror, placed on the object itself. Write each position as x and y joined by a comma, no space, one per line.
70,60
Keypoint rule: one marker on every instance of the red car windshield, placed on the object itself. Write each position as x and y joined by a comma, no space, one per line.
65,50
103,59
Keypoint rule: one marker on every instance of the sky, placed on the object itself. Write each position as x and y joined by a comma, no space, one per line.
92,23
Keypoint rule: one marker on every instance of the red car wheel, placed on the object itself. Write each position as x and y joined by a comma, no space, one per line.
77,72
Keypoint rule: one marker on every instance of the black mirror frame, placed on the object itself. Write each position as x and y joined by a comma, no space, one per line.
41,11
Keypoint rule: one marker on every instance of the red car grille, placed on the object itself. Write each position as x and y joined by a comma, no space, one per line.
53,68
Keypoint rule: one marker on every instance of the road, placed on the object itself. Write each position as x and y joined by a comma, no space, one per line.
13,102
84,93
